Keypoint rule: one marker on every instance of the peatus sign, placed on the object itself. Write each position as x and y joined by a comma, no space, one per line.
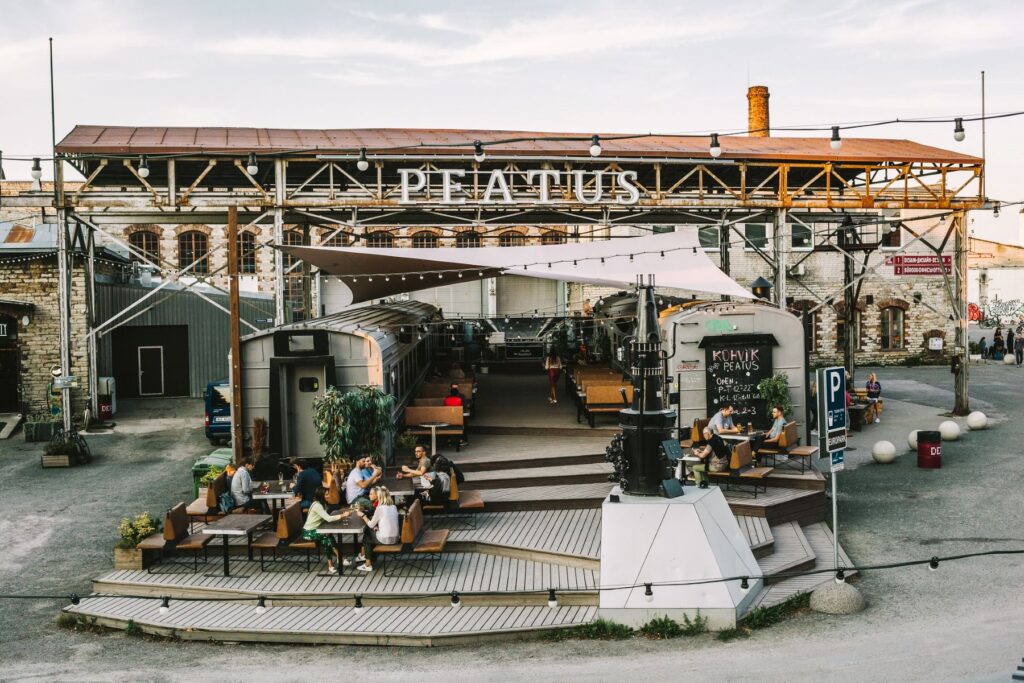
505,187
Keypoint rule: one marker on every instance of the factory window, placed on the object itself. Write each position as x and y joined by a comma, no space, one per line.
553,237
147,242
334,238
710,237
841,331
892,329
803,237
246,253
193,252
892,236
756,235
380,240
467,239
293,277
511,239
424,240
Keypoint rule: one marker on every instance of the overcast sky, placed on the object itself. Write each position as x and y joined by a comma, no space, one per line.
566,66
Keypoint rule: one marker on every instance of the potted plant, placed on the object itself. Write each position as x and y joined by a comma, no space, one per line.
39,427
127,554
775,392
405,445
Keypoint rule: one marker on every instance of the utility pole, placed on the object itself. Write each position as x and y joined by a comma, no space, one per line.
849,301
781,259
237,450
961,402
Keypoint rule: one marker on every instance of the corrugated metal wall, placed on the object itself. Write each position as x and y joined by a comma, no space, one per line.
208,336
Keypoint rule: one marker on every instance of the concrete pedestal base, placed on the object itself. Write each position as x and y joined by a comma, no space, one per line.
666,541
837,598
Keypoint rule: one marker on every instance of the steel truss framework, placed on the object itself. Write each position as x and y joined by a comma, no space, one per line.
329,191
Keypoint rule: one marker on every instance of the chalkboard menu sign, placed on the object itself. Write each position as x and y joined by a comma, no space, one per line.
735,364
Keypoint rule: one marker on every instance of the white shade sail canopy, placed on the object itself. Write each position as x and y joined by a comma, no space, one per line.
675,259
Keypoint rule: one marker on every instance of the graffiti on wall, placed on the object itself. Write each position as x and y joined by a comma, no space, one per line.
1001,312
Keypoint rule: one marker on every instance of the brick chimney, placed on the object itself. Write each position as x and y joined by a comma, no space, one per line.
757,111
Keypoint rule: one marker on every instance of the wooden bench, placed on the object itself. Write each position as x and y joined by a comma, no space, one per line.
742,469
873,408
428,402
604,398
460,505
177,536
207,509
612,380
696,432
287,537
424,545
452,415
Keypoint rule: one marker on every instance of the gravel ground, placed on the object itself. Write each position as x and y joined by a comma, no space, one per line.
964,622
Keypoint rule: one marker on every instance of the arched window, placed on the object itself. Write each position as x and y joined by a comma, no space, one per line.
511,239
338,240
424,240
892,328
467,239
553,237
246,253
148,242
193,247
380,240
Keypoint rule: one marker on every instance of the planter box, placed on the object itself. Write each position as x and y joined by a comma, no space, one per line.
57,461
133,558
38,431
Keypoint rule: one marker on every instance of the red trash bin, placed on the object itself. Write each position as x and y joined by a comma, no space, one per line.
929,450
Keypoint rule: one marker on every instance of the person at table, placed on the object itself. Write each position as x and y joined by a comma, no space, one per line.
364,475
318,515
307,481
381,529
439,486
771,437
721,422
453,399
711,445
241,487
418,467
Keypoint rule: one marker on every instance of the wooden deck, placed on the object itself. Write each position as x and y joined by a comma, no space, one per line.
557,536
791,551
758,534
406,625
584,473
462,572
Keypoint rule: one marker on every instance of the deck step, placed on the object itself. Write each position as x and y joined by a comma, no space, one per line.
526,461
819,536
422,626
557,536
542,475
758,534
791,552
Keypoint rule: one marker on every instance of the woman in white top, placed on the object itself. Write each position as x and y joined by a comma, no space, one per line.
553,365
381,529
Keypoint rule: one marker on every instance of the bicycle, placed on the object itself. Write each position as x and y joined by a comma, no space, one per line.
80,448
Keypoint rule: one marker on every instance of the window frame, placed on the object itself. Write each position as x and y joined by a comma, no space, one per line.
792,237
202,263
247,262
379,240
884,245
511,238
718,242
469,236
417,238
553,237
153,256
747,242
886,320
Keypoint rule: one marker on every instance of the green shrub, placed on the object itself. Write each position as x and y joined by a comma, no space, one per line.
728,634
763,617
210,475
134,530
132,629
660,628
599,629
66,620
696,627
775,392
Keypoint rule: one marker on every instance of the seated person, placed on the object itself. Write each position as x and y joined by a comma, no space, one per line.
363,476
241,487
453,398
874,391
710,445
318,515
721,422
440,487
772,436
307,481
382,529
418,467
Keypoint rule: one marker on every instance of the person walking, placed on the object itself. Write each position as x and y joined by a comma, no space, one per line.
1018,349
553,366
983,348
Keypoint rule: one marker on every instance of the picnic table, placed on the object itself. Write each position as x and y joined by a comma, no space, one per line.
275,493
350,525
235,525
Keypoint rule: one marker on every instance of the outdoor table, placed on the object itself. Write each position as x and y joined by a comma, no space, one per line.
351,525
235,525
399,488
275,492
433,427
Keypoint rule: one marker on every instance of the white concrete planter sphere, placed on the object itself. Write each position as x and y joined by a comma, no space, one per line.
977,420
884,452
1009,359
912,440
950,430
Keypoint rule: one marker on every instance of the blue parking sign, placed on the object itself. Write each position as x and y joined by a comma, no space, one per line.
831,409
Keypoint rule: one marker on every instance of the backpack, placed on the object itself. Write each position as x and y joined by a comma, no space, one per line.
459,476
226,502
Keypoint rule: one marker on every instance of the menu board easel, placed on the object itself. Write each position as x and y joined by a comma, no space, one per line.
735,364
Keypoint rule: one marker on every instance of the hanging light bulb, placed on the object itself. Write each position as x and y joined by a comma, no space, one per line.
840,575
37,169
574,262
165,605
143,167
744,584
715,149
995,210
251,167
958,130
2,176
358,607
662,254
75,599
552,598
460,273
455,600
440,276
630,258
835,142
362,164
595,146
933,564
261,605
648,593
478,152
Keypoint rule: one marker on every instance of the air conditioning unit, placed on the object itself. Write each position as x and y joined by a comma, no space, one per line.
799,270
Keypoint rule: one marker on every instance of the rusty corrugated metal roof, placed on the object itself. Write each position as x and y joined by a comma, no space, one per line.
181,140
19,234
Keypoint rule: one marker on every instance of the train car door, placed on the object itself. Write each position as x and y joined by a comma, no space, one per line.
304,383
